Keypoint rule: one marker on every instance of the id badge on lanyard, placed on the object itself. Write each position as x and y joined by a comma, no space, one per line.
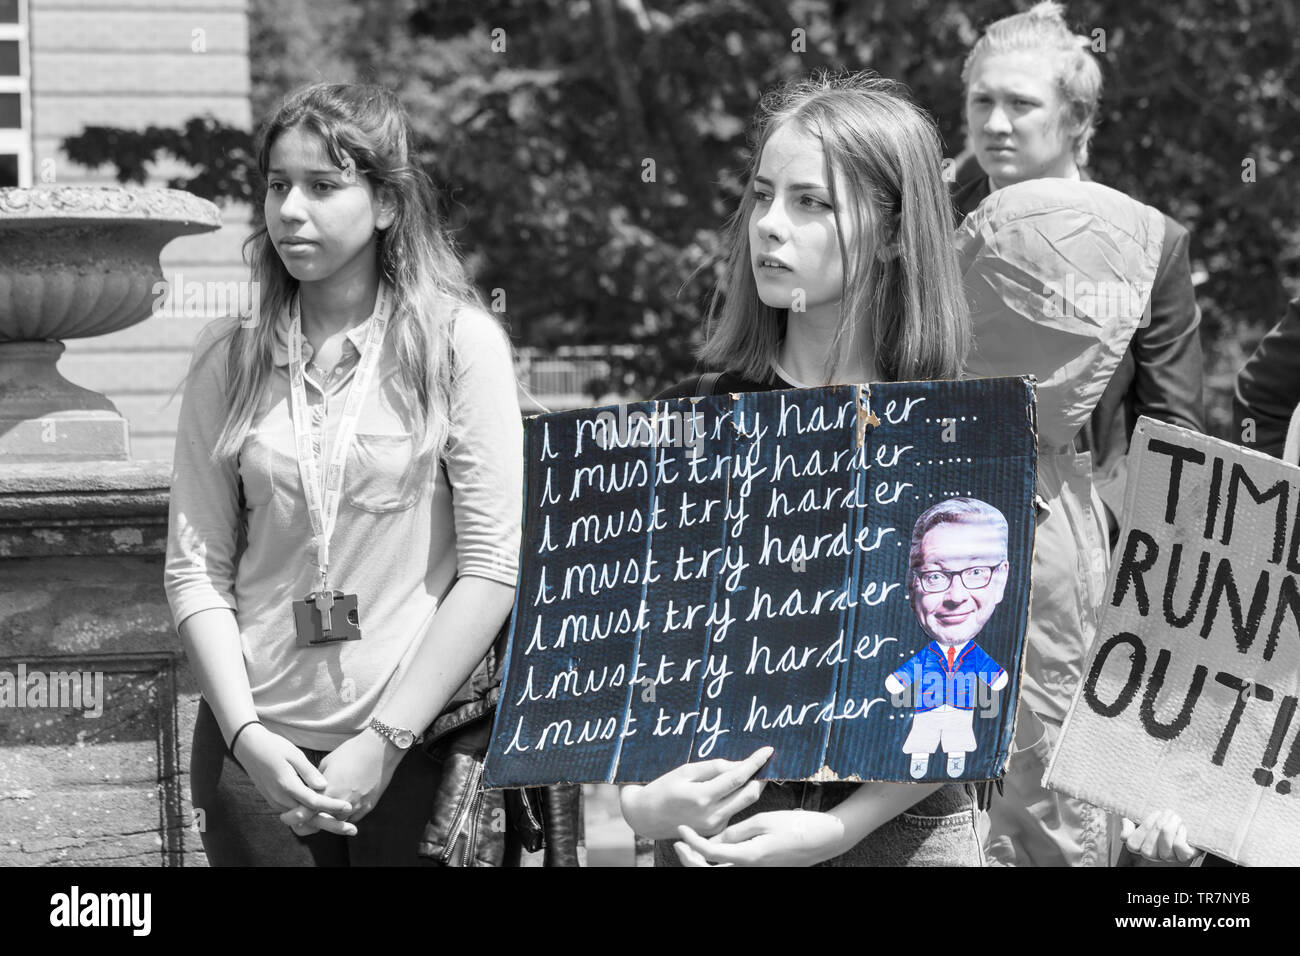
327,616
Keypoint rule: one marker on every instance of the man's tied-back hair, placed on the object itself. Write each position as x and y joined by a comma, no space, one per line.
1042,29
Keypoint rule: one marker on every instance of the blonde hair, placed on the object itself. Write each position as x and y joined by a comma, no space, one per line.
1042,29
887,153
366,128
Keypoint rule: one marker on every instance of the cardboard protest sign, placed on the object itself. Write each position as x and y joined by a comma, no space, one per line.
1190,688
700,578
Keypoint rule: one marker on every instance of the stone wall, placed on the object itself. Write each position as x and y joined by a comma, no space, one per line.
96,703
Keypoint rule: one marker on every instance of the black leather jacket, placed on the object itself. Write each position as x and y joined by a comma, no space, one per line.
1268,388
458,739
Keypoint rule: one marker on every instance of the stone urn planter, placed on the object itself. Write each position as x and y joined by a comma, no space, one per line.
75,262
83,531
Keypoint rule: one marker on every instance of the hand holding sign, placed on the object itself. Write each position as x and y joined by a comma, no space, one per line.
706,795
1161,837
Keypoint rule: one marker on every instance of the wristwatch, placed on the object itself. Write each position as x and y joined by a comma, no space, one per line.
400,738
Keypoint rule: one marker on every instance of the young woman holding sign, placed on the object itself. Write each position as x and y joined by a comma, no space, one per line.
841,270
344,511
846,210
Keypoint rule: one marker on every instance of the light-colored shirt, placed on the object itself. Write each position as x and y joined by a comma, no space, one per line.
956,652
406,528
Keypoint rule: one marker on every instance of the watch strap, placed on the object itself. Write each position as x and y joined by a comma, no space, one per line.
391,733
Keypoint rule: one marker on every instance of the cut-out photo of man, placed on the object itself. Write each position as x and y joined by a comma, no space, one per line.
957,575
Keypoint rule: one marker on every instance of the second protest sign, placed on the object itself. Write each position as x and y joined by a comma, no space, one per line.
1190,691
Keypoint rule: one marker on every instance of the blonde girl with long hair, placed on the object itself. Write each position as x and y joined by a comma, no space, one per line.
846,214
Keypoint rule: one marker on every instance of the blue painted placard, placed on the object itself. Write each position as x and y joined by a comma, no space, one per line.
703,577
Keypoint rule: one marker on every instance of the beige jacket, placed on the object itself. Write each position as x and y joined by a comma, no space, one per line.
1058,275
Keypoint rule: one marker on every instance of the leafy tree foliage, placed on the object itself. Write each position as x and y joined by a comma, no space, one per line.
590,151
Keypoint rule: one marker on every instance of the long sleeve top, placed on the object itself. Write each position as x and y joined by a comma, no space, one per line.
407,527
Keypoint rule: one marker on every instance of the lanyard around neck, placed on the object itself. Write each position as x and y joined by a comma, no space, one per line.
323,499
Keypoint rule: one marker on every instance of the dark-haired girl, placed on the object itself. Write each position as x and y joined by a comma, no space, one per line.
347,463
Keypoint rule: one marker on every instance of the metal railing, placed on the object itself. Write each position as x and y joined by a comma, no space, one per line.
559,378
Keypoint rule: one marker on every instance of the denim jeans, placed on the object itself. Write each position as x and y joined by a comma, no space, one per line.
239,828
944,829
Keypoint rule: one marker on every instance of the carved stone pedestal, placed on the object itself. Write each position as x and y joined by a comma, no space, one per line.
95,703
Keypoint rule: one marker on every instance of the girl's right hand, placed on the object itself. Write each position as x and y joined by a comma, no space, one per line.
290,784
1161,837
703,796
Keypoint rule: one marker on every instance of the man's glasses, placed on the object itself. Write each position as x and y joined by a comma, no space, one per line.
973,579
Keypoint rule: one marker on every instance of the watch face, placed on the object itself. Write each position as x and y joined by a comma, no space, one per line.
403,739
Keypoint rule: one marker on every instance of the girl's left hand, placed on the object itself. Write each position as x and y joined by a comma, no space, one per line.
360,767
776,838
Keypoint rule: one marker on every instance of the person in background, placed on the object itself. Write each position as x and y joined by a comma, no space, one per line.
1267,391
1266,406
1032,90
1016,253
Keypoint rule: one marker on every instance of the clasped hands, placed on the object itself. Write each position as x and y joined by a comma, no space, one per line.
695,802
333,798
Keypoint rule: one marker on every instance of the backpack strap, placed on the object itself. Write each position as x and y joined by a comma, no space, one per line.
708,383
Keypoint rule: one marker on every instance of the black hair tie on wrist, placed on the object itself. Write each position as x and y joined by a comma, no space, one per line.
235,739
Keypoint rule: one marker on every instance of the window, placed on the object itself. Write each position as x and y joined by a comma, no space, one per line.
11,111
9,58
15,96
